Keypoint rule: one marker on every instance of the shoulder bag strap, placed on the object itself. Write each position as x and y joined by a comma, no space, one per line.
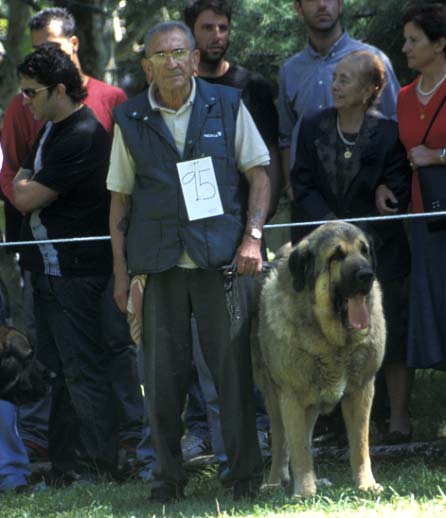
433,120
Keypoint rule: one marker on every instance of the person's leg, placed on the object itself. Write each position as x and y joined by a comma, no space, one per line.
145,452
33,418
196,440
14,463
11,281
33,427
399,381
398,377
69,343
167,360
209,396
225,340
123,369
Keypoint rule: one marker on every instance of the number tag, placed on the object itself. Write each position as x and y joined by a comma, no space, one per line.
200,188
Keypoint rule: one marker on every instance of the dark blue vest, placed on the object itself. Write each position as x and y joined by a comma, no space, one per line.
159,228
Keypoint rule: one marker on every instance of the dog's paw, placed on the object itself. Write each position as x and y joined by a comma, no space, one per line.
305,490
370,486
269,487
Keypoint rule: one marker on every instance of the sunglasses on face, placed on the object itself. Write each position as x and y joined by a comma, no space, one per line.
30,93
178,55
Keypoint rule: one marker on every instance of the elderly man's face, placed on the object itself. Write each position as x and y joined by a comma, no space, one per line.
170,68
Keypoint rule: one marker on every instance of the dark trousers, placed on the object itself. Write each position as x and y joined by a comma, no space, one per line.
123,368
83,422
170,298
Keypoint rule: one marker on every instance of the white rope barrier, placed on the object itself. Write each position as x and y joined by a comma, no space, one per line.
360,220
276,225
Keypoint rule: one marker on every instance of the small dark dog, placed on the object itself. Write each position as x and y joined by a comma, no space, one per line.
23,379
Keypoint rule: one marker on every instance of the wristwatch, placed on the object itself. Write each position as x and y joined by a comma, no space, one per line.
255,233
443,155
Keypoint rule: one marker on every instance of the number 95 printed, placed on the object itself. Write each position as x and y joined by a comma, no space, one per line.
200,188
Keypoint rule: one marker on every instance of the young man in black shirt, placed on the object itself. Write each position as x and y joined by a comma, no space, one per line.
210,23
61,189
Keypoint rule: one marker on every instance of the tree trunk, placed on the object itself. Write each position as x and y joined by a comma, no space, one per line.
19,14
94,32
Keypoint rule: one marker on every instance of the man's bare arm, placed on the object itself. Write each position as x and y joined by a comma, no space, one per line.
248,257
30,195
119,222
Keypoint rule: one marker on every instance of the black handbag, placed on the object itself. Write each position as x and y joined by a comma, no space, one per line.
432,180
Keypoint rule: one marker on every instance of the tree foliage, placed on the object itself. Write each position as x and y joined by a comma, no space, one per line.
264,33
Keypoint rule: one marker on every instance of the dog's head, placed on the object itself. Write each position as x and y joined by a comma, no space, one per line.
337,260
23,379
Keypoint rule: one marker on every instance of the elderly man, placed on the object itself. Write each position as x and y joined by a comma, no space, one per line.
179,214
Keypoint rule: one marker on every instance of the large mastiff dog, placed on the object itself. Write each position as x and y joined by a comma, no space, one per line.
321,341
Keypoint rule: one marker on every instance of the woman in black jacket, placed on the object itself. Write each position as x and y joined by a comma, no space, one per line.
343,155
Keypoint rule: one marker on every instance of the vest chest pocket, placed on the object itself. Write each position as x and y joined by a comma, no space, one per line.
213,139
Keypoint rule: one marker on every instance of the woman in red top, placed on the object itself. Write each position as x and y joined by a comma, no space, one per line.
425,49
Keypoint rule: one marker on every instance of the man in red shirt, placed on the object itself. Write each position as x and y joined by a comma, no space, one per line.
20,130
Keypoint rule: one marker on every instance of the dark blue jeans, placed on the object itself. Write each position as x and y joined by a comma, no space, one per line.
14,463
83,430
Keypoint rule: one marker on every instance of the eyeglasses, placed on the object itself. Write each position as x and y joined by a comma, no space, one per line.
30,93
178,55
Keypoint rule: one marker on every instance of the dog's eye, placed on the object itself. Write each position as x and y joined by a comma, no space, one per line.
364,249
338,254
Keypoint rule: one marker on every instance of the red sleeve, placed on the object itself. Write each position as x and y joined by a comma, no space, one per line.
19,133
102,99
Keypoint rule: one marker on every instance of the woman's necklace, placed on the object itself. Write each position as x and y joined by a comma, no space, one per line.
347,143
432,90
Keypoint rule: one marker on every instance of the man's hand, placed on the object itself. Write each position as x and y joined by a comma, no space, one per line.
248,257
383,196
121,290
420,156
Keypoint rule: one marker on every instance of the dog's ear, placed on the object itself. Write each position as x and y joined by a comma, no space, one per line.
372,253
371,242
301,265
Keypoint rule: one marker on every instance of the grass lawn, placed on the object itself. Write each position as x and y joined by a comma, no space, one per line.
412,488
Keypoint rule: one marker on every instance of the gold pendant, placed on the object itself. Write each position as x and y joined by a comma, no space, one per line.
422,116
347,154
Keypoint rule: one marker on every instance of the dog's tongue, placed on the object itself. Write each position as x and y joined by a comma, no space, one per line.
358,313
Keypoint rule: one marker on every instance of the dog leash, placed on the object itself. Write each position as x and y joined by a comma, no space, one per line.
231,288
231,292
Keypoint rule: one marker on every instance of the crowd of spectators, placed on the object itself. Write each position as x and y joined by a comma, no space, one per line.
183,176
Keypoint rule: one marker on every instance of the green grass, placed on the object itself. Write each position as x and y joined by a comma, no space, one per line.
412,488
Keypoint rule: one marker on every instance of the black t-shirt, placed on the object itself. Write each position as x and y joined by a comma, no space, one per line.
257,96
70,157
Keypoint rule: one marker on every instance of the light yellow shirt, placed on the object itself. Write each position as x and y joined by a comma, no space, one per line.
250,150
